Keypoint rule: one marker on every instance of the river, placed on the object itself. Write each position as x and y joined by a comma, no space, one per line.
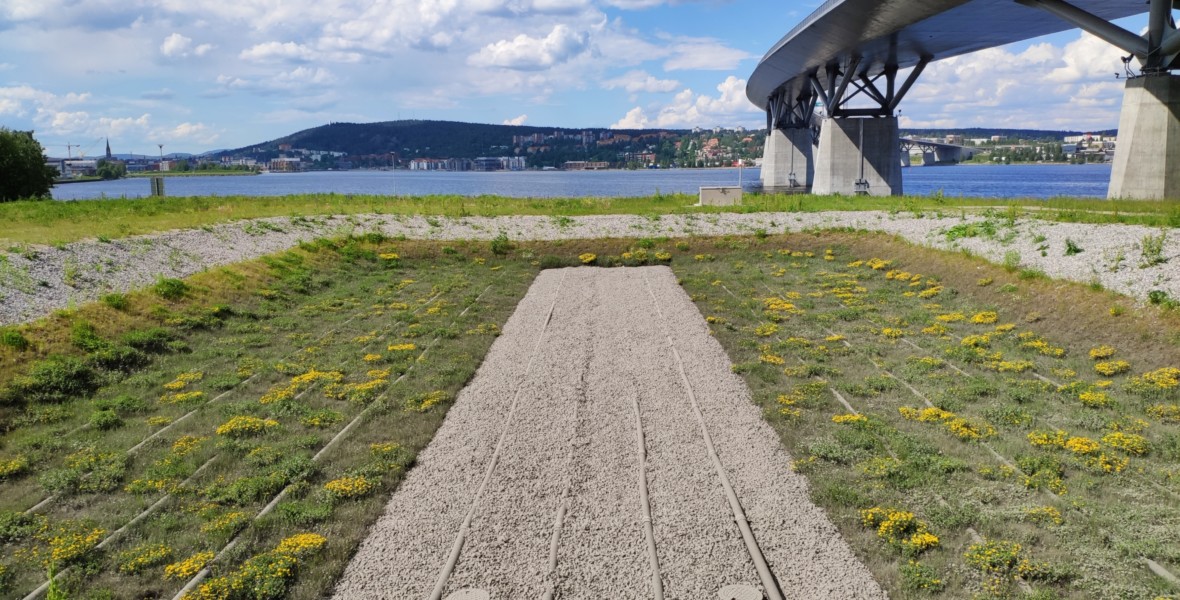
993,181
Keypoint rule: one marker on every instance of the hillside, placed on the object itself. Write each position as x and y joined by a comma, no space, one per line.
410,137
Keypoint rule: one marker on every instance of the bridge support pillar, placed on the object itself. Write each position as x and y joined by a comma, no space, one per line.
787,160
1147,157
842,159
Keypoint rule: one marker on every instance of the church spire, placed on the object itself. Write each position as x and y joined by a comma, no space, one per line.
108,148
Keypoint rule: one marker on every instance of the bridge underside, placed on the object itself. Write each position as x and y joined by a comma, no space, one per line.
855,49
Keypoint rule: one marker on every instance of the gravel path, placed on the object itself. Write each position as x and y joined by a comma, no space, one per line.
555,404
37,280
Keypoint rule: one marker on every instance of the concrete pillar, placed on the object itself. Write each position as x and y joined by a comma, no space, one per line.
785,153
838,159
1147,157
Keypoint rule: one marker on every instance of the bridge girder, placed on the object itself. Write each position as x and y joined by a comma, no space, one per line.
1157,51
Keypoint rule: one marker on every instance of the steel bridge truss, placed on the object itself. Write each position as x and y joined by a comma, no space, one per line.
843,83
1158,52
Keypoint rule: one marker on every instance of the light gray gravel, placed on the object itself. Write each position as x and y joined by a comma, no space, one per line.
40,279
573,434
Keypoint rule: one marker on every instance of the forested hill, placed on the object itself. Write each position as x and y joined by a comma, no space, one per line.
433,138
1007,134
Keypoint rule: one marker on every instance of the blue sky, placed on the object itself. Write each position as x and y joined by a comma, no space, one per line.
197,75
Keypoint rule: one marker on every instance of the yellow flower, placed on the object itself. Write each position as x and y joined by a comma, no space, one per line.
13,466
771,359
372,357
243,425
402,347
1112,368
1102,352
587,257
1094,399
388,256
1127,442
349,487
984,318
766,330
849,418
1081,445
188,567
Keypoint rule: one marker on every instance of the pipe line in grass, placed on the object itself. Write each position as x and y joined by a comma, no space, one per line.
270,506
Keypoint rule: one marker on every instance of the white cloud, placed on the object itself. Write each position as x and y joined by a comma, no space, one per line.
703,54
516,120
301,81
23,100
180,46
1042,86
277,52
641,81
687,109
526,53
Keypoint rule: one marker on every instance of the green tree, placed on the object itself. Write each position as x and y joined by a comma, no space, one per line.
23,173
111,169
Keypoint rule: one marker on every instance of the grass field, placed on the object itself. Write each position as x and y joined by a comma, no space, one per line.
47,222
970,433
301,386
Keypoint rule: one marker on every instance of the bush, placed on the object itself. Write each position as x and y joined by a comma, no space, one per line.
122,405
84,337
16,526
55,379
115,300
170,289
501,246
14,339
550,261
105,419
118,358
153,340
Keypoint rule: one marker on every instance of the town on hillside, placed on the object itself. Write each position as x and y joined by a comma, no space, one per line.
571,150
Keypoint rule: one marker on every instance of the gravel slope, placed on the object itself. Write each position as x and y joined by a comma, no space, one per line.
41,279
562,395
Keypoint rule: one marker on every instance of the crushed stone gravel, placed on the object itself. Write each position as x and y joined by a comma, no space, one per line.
571,439
35,280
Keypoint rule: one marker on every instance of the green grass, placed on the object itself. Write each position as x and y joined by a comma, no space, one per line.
241,335
44,222
845,333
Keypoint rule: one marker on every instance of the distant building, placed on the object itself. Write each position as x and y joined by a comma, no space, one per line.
285,164
584,165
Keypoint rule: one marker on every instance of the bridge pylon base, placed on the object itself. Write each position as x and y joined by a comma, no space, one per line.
787,163
1147,157
840,162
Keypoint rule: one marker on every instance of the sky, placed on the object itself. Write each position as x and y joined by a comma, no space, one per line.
199,75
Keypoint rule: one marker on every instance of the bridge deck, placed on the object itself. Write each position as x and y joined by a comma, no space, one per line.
901,32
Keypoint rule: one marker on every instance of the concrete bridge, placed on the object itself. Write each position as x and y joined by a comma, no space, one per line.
934,153
844,61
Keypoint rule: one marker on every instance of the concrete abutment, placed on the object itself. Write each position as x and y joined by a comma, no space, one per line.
840,162
1147,158
788,155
